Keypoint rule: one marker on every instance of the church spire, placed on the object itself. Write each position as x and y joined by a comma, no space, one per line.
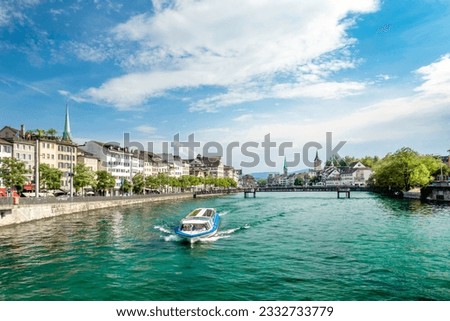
66,133
285,170
317,162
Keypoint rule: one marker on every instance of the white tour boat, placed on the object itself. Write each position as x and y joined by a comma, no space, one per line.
200,223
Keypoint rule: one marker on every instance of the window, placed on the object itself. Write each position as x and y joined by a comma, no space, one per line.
29,156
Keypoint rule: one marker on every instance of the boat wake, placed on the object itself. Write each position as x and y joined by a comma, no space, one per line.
163,229
169,236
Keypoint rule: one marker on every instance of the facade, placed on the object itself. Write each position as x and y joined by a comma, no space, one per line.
59,154
203,166
230,172
89,160
22,149
354,175
248,181
114,159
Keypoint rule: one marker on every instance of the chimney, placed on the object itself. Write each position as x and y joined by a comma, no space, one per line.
22,131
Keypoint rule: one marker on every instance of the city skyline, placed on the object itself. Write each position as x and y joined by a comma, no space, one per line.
374,74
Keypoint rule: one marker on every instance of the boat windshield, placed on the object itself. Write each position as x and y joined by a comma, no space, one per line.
194,227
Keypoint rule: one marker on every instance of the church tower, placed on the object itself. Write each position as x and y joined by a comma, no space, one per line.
66,134
317,162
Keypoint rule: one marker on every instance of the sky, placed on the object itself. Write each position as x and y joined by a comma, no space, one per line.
374,74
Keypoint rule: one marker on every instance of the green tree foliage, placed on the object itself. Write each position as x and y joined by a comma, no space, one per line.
49,177
83,177
152,182
12,172
138,183
262,182
162,181
126,186
369,161
39,133
184,182
404,169
51,132
105,181
299,181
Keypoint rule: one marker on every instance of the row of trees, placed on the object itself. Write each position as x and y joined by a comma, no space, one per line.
368,161
13,171
41,133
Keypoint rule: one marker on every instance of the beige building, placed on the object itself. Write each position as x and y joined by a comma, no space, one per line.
89,160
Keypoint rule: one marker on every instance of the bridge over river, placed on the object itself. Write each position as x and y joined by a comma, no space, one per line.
340,190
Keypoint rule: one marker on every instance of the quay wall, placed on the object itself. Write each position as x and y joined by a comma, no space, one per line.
16,214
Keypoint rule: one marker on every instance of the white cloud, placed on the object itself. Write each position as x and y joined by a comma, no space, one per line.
436,77
189,43
12,12
384,77
243,118
419,120
145,129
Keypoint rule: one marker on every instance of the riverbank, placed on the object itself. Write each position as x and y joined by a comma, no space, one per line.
17,214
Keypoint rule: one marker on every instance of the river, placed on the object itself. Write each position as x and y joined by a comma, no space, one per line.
278,246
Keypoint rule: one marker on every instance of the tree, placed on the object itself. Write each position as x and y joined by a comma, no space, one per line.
262,182
39,133
126,186
232,182
163,180
49,177
138,183
83,177
404,169
184,181
299,181
152,182
314,180
12,172
105,181
194,180
51,132
369,161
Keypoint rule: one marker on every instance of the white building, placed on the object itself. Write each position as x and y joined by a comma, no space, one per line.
356,175
116,160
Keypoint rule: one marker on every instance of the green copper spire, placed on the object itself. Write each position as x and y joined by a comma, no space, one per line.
285,170
66,133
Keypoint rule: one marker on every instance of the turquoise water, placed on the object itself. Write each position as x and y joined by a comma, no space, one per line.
279,246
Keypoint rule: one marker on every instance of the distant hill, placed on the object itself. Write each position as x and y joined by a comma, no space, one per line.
259,175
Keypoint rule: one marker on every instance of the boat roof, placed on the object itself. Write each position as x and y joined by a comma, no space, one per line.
201,212
199,215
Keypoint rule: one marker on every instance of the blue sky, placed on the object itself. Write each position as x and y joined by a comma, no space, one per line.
374,73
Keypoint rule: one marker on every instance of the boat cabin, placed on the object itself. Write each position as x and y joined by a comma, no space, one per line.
200,219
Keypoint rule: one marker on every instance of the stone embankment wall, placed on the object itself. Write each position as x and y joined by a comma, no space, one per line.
16,214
